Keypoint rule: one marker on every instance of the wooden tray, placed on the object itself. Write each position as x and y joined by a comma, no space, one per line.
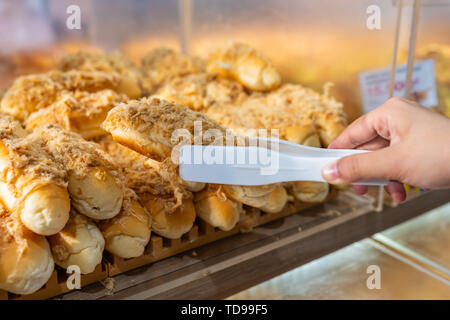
202,233
56,285
160,248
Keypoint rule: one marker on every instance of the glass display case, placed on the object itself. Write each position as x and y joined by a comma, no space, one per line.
311,43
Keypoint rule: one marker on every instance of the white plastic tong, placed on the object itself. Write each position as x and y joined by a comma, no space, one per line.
263,161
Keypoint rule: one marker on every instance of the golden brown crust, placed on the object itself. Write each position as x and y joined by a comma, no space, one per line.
79,111
330,127
30,93
213,206
172,224
128,233
158,187
306,191
309,191
276,200
148,125
26,165
246,65
114,62
25,257
75,153
147,177
80,243
201,91
270,198
297,112
95,182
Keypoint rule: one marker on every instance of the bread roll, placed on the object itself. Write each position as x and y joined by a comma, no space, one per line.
169,171
79,111
163,64
26,262
110,63
128,233
292,109
169,223
202,91
214,207
95,183
246,65
193,186
31,182
307,191
33,92
269,198
130,160
159,188
148,126
80,243
330,127
276,200
305,134
327,114
297,113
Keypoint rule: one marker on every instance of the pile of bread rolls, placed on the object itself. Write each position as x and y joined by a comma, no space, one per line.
85,153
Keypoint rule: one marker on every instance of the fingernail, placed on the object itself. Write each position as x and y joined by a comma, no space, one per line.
330,173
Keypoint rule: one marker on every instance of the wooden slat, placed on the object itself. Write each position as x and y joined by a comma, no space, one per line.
233,264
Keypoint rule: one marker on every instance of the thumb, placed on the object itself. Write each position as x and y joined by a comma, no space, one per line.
379,164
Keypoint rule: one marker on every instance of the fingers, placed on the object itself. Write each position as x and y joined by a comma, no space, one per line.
360,189
381,164
397,191
374,144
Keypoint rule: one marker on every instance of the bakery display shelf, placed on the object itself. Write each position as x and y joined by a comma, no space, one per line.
387,200
202,233
160,248
230,265
57,284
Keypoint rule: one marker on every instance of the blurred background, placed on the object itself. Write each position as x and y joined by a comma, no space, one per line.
311,42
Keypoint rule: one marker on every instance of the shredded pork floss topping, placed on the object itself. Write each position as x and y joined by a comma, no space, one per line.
75,153
290,105
29,163
81,103
163,64
158,119
33,92
203,90
71,106
85,81
160,180
13,231
128,209
106,62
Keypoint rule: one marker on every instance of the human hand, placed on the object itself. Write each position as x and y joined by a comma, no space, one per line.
411,145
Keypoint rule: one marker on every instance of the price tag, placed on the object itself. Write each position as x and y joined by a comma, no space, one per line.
375,85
